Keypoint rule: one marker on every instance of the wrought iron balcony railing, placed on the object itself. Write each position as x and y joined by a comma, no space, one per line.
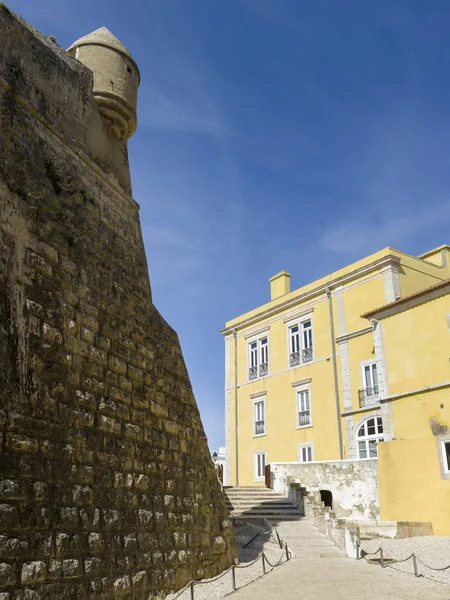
263,369
253,373
259,427
307,355
368,396
304,417
294,359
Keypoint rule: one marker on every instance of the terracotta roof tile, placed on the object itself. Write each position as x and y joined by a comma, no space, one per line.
406,298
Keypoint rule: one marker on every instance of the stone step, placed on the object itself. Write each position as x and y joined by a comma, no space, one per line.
325,552
317,544
251,498
228,488
268,509
272,519
259,496
274,503
261,491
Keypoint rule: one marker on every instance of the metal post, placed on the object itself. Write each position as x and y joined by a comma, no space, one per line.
416,570
381,557
335,375
233,577
191,588
287,552
236,445
264,564
357,550
280,543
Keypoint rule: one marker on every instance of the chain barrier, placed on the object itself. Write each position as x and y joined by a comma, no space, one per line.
361,553
285,553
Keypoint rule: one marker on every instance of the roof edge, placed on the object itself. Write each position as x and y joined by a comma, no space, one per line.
436,290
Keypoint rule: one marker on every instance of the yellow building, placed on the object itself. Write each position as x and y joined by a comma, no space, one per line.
412,337
304,374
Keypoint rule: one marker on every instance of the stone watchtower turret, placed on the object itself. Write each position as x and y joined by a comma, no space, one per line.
116,79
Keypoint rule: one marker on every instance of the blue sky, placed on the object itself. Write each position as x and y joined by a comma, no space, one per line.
274,134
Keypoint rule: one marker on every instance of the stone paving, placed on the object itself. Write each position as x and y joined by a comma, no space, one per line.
308,578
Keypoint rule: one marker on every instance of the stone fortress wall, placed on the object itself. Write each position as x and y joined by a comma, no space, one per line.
107,488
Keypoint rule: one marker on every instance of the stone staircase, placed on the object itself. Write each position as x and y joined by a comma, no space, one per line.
303,538
260,503
305,541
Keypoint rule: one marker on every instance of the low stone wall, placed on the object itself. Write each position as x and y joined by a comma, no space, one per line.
352,483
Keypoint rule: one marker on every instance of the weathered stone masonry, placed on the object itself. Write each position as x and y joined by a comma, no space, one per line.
107,489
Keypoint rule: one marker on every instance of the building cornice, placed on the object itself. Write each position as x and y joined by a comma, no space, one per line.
301,382
353,334
389,259
258,394
356,411
423,390
300,315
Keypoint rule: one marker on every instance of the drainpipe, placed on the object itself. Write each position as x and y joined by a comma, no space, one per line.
336,387
236,405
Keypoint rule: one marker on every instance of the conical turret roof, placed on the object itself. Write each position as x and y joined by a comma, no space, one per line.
102,37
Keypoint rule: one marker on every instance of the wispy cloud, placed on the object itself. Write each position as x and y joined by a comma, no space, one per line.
395,228
169,237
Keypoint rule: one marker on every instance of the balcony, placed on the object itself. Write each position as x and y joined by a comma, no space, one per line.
253,373
368,396
307,355
263,369
259,427
294,359
304,418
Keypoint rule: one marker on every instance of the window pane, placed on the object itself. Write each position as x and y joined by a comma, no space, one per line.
309,449
295,339
447,454
374,375
362,450
371,427
260,465
263,347
368,435
253,354
373,452
303,401
367,377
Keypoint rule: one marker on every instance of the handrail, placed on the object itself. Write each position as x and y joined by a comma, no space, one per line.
286,552
361,553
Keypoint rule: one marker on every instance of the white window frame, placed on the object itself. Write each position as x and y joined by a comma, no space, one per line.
376,437
260,350
372,398
444,461
299,322
261,399
299,389
301,447
257,453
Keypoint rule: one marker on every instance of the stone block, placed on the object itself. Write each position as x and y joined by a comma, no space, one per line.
33,572
7,574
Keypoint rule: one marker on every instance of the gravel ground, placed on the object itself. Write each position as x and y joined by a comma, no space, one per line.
431,550
244,532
